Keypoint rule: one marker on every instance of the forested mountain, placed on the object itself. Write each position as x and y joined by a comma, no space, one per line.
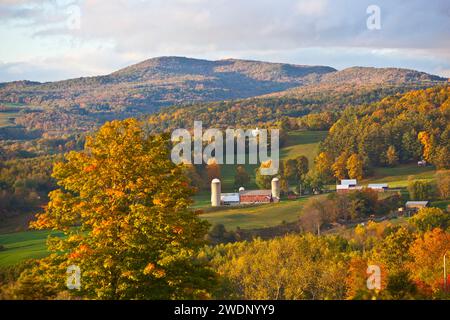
157,82
220,93
365,78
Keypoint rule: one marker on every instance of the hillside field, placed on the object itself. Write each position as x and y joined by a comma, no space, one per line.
398,177
298,143
24,245
7,118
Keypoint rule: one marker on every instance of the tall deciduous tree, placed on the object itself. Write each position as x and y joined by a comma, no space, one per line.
241,178
427,254
212,170
123,206
340,166
391,156
420,190
355,167
302,170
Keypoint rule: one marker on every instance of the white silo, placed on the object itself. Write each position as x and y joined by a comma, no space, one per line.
215,192
276,189
241,189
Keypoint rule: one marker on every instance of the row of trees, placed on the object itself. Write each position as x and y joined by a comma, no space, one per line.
410,258
398,129
325,210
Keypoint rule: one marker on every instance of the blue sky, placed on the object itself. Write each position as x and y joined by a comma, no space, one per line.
46,40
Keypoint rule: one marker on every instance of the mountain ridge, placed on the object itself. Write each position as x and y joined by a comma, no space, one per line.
169,80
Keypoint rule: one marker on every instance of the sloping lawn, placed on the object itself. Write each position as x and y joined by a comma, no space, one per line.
20,246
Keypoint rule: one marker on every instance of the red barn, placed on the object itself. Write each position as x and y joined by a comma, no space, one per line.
256,196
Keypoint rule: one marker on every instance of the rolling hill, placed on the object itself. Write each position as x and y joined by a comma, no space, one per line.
157,82
149,85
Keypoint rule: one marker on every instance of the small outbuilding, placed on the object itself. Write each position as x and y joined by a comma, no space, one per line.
422,163
378,186
229,199
349,182
414,206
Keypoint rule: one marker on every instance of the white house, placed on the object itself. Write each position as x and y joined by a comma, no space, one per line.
349,182
347,185
229,199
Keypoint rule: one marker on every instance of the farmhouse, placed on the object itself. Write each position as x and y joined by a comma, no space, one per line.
347,185
244,196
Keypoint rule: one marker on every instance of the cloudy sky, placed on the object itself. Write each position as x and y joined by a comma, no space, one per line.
47,40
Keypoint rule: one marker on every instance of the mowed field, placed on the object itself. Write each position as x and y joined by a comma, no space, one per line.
398,177
7,118
10,111
256,216
24,245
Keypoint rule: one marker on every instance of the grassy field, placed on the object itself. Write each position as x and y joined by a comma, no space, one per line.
24,245
398,177
7,118
20,246
298,143
258,216
304,143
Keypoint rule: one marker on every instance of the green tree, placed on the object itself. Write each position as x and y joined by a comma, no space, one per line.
241,177
392,251
291,171
443,184
302,170
264,181
212,170
429,218
420,190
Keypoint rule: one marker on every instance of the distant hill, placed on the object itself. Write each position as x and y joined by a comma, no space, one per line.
163,81
366,78
223,93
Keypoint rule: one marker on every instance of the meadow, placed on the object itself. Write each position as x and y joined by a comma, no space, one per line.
398,177
7,118
24,245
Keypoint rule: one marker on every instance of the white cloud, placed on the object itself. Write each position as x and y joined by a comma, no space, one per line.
138,29
312,7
